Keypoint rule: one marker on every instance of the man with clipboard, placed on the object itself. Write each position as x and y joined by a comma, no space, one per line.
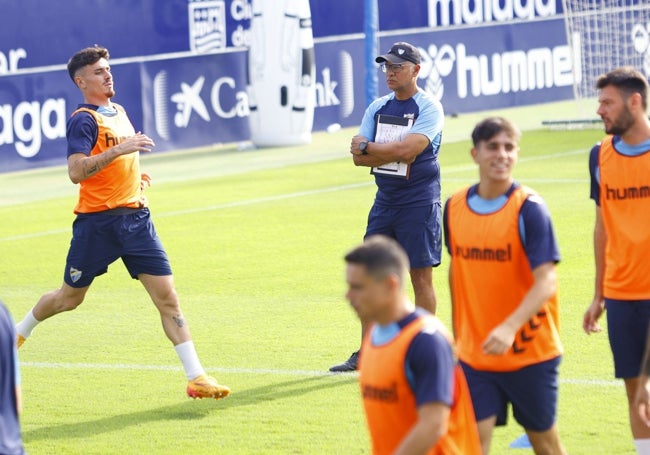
399,139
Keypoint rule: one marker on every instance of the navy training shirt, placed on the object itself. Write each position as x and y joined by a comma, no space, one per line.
422,188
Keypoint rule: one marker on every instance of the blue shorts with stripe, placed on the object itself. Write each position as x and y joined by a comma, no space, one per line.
99,239
532,391
417,229
627,328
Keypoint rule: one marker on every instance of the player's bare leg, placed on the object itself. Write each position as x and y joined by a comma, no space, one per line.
425,294
485,430
425,297
639,429
66,298
546,442
162,292
63,299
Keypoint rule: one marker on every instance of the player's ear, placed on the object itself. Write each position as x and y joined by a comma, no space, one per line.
635,100
473,152
393,281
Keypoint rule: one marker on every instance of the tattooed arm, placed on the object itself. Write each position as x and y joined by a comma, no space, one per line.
81,166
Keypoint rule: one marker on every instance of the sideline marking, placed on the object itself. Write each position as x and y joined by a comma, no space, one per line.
35,234
134,367
260,371
278,197
331,189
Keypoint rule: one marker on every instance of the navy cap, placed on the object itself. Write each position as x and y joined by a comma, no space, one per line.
399,53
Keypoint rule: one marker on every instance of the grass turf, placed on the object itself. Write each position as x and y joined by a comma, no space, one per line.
256,240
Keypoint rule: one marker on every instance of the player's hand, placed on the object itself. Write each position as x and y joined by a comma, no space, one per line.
590,320
137,143
499,340
145,181
354,145
642,399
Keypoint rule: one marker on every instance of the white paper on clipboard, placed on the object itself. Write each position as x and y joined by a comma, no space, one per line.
391,128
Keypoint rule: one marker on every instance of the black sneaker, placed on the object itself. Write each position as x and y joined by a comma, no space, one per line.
348,365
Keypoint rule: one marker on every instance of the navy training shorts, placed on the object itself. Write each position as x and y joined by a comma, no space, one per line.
417,229
532,391
627,328
99,239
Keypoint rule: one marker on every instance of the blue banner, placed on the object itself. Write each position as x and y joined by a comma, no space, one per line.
200,101
180,65
34,33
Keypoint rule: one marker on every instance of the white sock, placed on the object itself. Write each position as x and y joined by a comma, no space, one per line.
189,359
26,326
642,446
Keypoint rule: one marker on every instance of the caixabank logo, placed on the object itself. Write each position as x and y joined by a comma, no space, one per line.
187,99
200,100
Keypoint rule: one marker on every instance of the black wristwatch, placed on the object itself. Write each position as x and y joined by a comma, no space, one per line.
363,146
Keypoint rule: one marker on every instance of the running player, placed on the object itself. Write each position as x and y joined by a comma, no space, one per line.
113,219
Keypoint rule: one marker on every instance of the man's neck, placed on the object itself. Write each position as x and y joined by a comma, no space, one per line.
402,308
406,92
640,132
488,189
104,102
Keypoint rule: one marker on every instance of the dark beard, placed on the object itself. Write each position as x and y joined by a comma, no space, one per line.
622,124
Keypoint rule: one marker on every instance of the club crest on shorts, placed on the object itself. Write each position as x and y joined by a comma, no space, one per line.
75,274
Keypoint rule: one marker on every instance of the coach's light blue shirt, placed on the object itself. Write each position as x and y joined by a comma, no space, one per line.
423,185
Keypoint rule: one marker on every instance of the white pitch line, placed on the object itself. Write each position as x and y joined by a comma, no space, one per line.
257,371
261,200
526,159
533,180
226,205
593,382
123,366
35,234
285,196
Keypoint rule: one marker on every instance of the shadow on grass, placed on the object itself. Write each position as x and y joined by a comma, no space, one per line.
188,410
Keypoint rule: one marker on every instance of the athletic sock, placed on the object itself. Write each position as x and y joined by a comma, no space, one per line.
642,446
189,359
25,327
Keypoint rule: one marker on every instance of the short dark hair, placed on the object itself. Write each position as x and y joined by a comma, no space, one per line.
627,80
85,57
491,126
381,256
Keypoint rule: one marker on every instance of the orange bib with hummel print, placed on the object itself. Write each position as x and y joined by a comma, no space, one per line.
625,208
119,183
389,403
490,275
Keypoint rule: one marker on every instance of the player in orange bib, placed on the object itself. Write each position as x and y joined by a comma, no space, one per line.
414,393
503,285
620,187
113,219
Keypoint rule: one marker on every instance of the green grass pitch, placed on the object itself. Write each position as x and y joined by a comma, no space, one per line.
256,240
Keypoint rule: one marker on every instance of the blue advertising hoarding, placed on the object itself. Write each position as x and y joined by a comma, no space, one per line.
180,65
200,101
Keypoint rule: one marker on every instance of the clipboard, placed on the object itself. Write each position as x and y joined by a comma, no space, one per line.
391,128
